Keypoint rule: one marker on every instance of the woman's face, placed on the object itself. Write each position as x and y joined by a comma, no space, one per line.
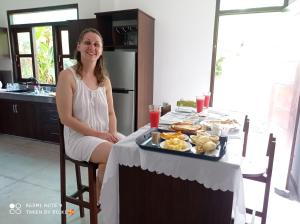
90,47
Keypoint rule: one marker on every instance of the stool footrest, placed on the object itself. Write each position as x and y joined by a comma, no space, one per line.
82,163
77,202
80,192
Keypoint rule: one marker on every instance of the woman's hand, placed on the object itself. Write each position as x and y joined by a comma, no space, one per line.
113,138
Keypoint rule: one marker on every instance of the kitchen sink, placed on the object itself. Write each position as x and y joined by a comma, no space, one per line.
31,92
20,91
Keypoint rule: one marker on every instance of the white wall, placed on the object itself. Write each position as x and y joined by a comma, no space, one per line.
183,39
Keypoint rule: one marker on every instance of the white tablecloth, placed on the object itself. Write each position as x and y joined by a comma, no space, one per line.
222,175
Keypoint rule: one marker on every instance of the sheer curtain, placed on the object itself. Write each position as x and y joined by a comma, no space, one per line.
293,180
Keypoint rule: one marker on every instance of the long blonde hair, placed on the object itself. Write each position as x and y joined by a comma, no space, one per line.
99,71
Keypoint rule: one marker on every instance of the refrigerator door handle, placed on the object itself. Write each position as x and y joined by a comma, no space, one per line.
120,90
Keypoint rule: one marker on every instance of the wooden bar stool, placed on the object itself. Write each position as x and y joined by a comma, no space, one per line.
77,197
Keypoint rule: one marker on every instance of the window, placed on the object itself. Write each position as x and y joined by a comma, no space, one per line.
43,17
40,42
247,4
64,59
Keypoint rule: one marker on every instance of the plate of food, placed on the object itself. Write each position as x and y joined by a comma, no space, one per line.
227,125
186,127
178,134
205,137
176,144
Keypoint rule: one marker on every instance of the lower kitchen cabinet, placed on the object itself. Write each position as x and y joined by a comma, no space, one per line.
47,122
29,119
17,118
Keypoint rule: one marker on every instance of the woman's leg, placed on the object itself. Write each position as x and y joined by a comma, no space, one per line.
100,156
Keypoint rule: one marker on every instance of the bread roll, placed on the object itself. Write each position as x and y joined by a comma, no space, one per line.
209,146
214,138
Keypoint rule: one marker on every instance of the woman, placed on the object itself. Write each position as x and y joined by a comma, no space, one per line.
85,105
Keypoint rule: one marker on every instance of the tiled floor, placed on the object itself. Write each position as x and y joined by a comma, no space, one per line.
29,177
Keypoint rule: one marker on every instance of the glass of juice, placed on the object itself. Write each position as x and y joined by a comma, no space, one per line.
154,114
206,99
200,103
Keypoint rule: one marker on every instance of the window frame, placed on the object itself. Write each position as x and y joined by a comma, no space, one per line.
219,13
57,51
17,56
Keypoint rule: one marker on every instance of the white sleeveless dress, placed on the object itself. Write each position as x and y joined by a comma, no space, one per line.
89,106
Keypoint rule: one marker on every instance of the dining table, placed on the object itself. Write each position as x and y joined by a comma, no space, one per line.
141,186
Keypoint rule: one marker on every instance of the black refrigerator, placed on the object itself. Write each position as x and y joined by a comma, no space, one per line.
121,66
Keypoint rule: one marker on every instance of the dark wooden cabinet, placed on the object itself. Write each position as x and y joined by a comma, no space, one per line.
75,27
29,119
4,113
120,29
47,122
17,118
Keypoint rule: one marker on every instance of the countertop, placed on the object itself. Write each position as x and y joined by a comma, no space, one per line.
39,98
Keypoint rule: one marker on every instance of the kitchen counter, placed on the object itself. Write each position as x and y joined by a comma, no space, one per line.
27,114
39,98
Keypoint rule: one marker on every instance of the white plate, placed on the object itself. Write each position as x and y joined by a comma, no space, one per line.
231,128
183,109
188,147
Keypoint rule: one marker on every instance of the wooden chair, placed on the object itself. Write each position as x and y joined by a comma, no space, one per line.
246,131
165,109
77,197
263,176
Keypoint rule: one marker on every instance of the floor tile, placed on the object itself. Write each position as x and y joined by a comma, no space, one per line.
5,181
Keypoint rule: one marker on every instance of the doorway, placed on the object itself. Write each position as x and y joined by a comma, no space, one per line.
256,62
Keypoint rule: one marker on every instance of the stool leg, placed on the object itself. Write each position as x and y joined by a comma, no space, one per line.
79,186
63,189
93,195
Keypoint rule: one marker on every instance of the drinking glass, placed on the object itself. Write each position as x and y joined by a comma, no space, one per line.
200,103
206,99
9,86
154,114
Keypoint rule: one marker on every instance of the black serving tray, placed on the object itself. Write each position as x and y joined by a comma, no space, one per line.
144,142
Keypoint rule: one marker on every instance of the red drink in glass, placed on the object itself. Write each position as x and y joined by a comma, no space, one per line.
206,100
200,104
154,118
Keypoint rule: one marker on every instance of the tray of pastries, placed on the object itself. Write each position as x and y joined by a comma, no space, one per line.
200,145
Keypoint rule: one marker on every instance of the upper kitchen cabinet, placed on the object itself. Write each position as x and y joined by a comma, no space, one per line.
75,27
125,28
132,30
4,47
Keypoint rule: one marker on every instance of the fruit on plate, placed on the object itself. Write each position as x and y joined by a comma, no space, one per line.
175,144
169,135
